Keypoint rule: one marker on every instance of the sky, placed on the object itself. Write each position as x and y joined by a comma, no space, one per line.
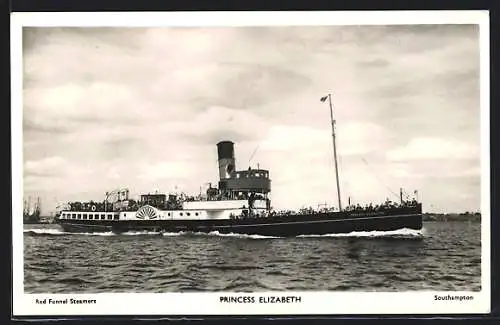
143,108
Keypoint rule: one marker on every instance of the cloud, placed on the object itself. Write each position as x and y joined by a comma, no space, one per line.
50,166
219,123
353,139
167,170
144,107
436,168
434,148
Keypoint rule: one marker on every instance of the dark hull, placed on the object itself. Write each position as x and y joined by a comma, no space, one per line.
279,226
31,222
31,219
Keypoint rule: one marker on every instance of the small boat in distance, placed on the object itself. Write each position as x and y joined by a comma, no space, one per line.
239,204
31,211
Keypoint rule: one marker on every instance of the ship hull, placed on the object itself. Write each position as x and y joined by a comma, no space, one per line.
31,220
277,226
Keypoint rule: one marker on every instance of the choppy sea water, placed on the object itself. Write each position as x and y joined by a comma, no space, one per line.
444,256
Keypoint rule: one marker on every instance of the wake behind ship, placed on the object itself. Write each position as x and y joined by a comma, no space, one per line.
239,204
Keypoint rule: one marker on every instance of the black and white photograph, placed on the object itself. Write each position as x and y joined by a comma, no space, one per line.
257,164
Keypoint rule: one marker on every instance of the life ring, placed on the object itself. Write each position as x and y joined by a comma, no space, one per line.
93,208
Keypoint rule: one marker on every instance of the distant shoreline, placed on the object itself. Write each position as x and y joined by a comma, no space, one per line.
444,217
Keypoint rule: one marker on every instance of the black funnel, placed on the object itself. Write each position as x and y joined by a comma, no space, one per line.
225,150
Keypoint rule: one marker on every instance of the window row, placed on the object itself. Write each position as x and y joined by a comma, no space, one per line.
251,175
97,216
181,214
84,216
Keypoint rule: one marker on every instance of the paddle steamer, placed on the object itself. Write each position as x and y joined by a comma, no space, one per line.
240,204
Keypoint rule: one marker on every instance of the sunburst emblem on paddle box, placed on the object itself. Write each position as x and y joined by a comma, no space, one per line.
146,212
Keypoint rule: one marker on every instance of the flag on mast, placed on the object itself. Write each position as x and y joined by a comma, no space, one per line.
323,99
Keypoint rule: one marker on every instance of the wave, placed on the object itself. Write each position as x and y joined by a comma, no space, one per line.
46,231
141,233
218,234
404,233
57,232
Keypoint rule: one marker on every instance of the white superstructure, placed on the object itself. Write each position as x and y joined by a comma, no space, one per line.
195,210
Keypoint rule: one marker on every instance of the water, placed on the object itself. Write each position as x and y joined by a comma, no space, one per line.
444,256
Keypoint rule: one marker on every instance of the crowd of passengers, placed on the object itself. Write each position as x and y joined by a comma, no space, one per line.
220,197
177,204
90,206
387,205
174,202
101,206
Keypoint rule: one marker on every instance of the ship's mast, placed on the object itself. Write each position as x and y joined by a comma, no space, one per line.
39,205
334,150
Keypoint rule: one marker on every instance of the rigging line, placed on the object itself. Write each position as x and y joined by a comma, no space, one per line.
382,182
253,153
406,194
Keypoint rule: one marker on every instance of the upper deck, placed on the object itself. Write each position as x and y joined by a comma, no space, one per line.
251,180
223,204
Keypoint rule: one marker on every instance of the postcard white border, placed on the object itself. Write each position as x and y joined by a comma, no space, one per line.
208,303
